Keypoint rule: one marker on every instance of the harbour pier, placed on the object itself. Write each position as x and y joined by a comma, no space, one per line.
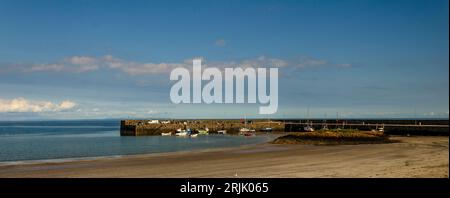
397,127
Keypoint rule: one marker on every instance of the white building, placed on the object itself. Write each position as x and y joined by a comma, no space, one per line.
153,122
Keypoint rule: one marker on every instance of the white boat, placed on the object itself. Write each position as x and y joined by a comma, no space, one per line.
308,128
194,135
247,132
182,133
242,130
222,132
267,129
166,134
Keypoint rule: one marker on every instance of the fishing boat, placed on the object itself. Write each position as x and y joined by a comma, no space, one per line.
166,134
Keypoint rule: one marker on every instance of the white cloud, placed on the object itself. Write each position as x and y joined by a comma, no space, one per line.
263,61
80,64
85,64
304,62
136,68
82,60
344,65
44,67
309,62
429,114
436,114
220,42
23,105
77,64
66,104
152,112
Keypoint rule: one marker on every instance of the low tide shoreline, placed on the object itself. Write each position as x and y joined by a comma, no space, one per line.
81,148
411,157
143,155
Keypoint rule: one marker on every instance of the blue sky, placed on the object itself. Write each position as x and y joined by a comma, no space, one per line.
363,59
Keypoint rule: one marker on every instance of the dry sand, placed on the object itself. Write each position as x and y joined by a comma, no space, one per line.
413,157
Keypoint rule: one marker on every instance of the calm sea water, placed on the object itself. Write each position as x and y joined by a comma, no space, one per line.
39,140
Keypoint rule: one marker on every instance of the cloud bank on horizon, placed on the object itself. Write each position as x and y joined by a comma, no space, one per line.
81,64
22,105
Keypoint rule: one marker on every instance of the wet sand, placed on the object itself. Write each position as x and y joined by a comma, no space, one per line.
413,157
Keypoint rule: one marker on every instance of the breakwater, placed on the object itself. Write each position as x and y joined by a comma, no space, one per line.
150,127
398,127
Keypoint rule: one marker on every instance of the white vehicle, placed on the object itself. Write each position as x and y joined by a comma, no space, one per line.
194,135
166,134
153,122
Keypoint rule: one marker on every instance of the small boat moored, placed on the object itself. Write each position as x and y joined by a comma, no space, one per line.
222,132
308,129
267,129
203,132
183,133
243,130
247,132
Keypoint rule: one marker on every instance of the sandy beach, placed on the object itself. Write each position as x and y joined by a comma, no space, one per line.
412,157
